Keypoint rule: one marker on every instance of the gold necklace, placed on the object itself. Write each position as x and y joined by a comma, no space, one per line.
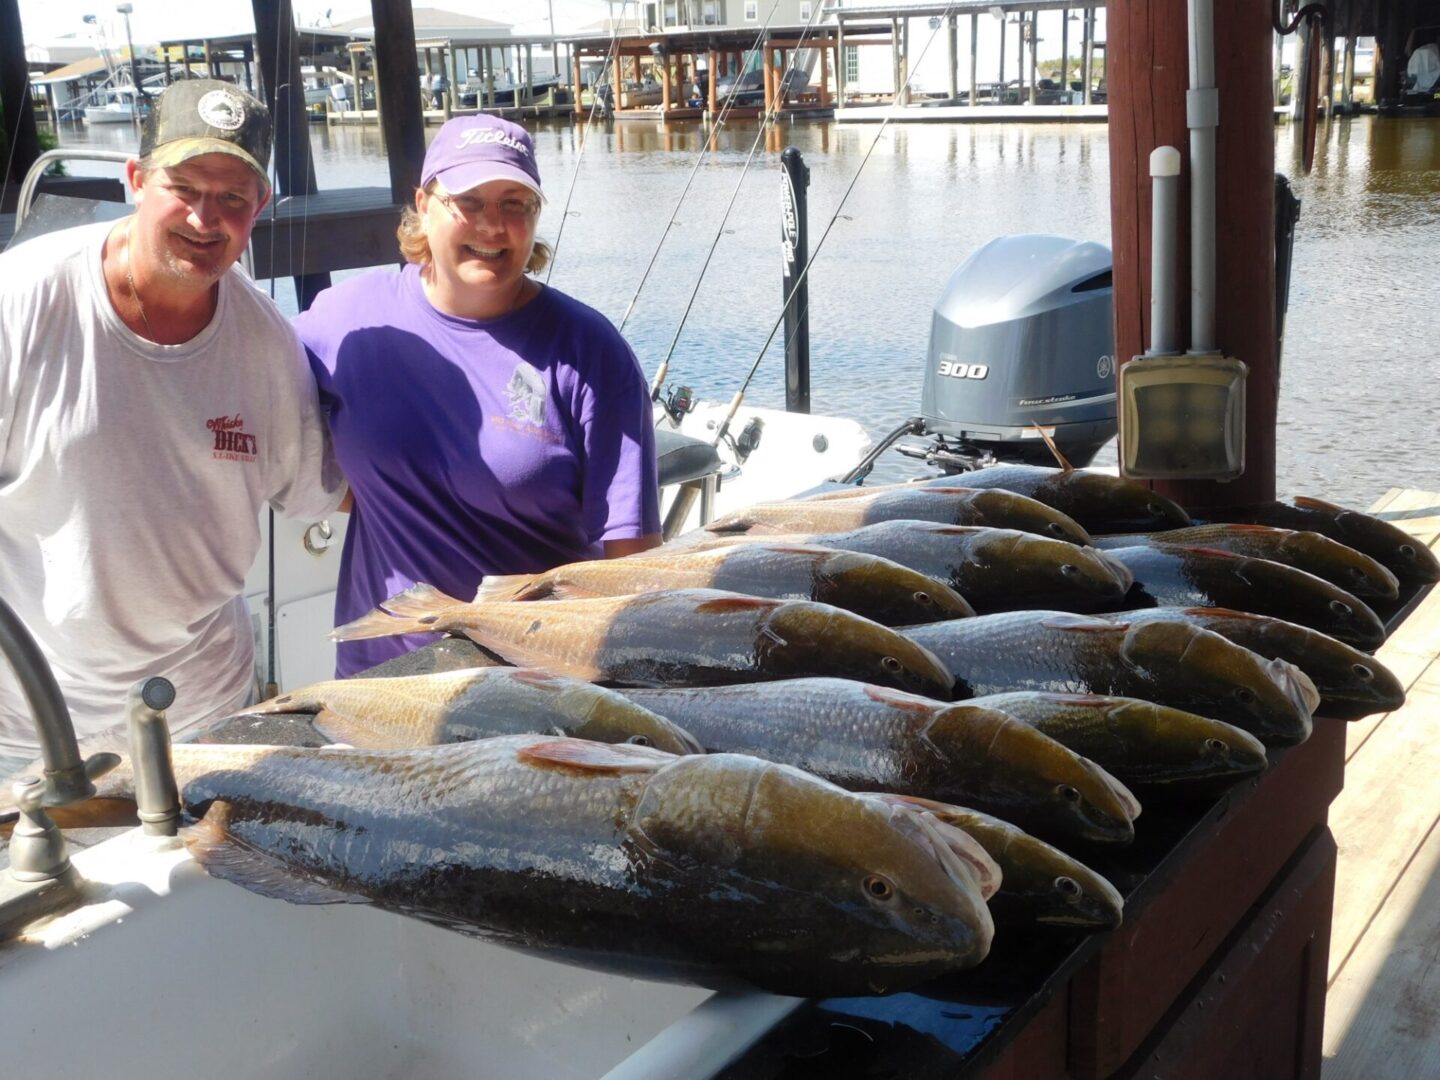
130,280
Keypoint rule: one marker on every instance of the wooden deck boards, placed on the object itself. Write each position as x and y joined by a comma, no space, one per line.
1382,1017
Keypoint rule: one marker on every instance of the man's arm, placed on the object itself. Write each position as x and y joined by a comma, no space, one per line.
616,549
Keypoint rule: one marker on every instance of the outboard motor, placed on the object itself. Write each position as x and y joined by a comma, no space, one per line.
1022,337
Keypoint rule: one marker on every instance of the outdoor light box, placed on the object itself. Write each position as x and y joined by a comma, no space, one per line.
1182,417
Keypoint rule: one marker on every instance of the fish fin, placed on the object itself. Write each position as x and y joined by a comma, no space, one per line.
417,610
1305,502
419,600
726,604
1078,626
546,680
1201,549
1294,682
1222,612
225,856
510,587
285,703
343,729
581,756
898,699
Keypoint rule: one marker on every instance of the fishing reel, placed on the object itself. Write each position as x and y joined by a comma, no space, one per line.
679,403
748,441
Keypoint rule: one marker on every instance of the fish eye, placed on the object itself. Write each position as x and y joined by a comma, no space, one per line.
1216,746
923,599
1244,695
428,620
1362,672
879,887
639,740
1339,607
1055,529
1407,551
892,665
1068,887
1068,793
1156,508
1069,569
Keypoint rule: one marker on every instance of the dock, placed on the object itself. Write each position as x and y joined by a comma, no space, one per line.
1382,1013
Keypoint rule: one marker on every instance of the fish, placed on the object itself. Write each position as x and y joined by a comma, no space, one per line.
947,505
1145,746
679,637
1170,663
1351,684
1038,883
875,587
1100,503
1174,576
459,706
994,569
872,738
1351,570
700,869
1405,556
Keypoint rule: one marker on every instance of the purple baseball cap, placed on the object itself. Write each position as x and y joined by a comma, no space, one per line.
472,150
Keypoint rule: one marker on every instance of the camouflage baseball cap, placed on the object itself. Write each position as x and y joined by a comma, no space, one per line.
207,116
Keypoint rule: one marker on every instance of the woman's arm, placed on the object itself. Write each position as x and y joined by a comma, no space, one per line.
616,549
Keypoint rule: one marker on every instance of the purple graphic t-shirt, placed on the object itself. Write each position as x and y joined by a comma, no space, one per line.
499,447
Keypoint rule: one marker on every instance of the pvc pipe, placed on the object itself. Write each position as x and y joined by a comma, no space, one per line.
1202,108
1164,246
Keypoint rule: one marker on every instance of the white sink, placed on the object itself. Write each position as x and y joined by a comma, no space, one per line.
168,972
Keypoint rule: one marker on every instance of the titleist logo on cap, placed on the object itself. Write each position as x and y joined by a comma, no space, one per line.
491,135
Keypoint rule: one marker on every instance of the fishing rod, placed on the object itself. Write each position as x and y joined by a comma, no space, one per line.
663,370
735,403
611,57
704,152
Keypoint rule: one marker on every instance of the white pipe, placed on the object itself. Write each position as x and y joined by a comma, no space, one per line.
1164,244
1202,108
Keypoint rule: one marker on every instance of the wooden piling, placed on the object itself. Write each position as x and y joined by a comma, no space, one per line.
1147,71
401,118
18,115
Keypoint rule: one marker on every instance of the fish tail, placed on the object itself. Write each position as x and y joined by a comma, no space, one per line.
418,610
510,587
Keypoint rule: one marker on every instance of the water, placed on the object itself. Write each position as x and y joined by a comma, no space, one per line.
1356,403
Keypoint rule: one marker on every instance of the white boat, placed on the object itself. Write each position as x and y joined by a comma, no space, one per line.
114,105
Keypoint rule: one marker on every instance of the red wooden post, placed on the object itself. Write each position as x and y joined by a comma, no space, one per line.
1147,68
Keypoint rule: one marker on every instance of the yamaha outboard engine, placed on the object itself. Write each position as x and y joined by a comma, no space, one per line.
1022,337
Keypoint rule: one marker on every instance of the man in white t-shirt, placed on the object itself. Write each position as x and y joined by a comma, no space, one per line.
152,400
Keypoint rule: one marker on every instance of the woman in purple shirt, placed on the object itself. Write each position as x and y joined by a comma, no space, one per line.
487,424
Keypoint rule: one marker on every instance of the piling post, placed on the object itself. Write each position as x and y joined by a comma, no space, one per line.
285,95
1034,54
1146,68
1347,86
840,64
1002,60
617,78
895,58
19,117
974,50
825,73
1087,53
1065,55
904,76
401,118
575,82
953,55
795,244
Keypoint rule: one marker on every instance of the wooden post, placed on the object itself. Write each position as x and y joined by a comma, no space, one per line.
1327,84
452,92
22,138
840,64
1002,61
1065,55
529,73
575,81
1147,73
953,56
1347,90
825,73
712,95
974,56
1389,52
617,78
165,58
665,85
895,59
401,119
294,170
355,88
1087,52
1034,49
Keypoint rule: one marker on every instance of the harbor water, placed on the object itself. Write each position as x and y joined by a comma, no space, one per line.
1356,399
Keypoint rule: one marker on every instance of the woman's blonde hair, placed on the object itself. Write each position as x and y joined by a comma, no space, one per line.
415,246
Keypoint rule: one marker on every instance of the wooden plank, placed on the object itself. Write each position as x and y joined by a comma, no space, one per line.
1144,967
1383,1013
1389,804
1258,1011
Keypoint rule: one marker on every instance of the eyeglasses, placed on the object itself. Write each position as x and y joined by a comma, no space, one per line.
470,208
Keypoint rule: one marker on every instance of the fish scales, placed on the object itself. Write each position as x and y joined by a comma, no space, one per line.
458,706
687,637
703,869
871,738
868,584
1185,576
994,569
1309,551
1168,662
